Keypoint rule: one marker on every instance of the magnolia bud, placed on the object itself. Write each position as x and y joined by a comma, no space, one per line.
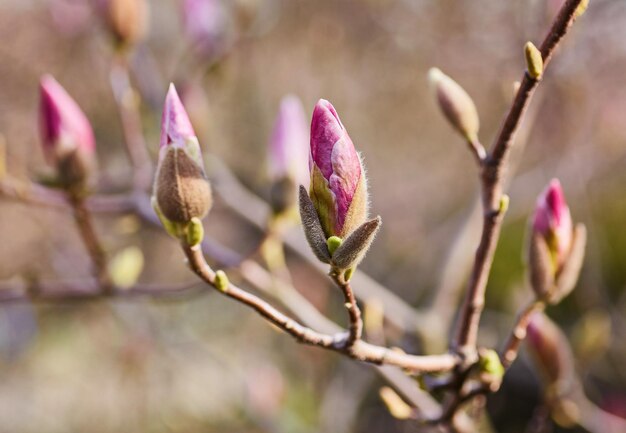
206,25
288,153
338,187
66,135
556,249
455,104
181,188
550,351
127,20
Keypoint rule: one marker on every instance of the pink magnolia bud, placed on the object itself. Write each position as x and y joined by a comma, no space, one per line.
66,134
181,189
550,350
338,186
553,221
289,142
206,25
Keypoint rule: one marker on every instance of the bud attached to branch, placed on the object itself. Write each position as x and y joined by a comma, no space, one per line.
181,190
288,154
556,249
457,106
127,20
334,215
534,61
66,135
551,353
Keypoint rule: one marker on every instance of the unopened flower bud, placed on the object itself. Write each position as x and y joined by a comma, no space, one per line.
207,25
181,188
288,154
66,135
534,60
557,248
456,105
338,186
127,20
550,351
552,221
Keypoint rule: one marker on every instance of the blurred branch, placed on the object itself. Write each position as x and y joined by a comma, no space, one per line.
518,333
360,350
89,291
494,203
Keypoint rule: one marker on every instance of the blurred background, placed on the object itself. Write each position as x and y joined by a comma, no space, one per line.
205,364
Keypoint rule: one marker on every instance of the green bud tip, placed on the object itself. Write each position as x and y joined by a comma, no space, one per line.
333,243
195,232
490,363
221,281
534,60
581,9
348,274
504,204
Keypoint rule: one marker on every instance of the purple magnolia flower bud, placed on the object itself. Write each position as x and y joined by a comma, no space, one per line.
289,142
66,134
288,154
550,350
338,186
181,189
553,221
206,25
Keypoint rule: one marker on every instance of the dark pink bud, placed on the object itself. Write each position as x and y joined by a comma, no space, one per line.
66,135
553,221
181,189
338,188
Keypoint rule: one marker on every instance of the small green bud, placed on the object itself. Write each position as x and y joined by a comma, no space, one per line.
333,243
504,204
581,9
489,363
195,232
534,60
348,274
221,281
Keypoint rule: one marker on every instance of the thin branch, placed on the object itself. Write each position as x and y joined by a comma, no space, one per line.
88,234
354,313
360,350
466,332
89,291
518,333
128,107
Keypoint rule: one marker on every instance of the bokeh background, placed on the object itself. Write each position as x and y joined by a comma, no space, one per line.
205,364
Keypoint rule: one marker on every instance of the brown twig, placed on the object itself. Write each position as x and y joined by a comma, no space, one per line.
466,332
518,333
89,291
84,223
355,327
360,350
128,107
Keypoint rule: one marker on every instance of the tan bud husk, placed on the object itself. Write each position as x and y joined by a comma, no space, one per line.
541,267
568,275
312,227
456,104
534,60
353,249
182,190
283,195
127,20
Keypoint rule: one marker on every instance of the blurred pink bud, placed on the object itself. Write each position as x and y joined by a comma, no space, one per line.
206,25
66,134
289,142
181,189
338,187
553,221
